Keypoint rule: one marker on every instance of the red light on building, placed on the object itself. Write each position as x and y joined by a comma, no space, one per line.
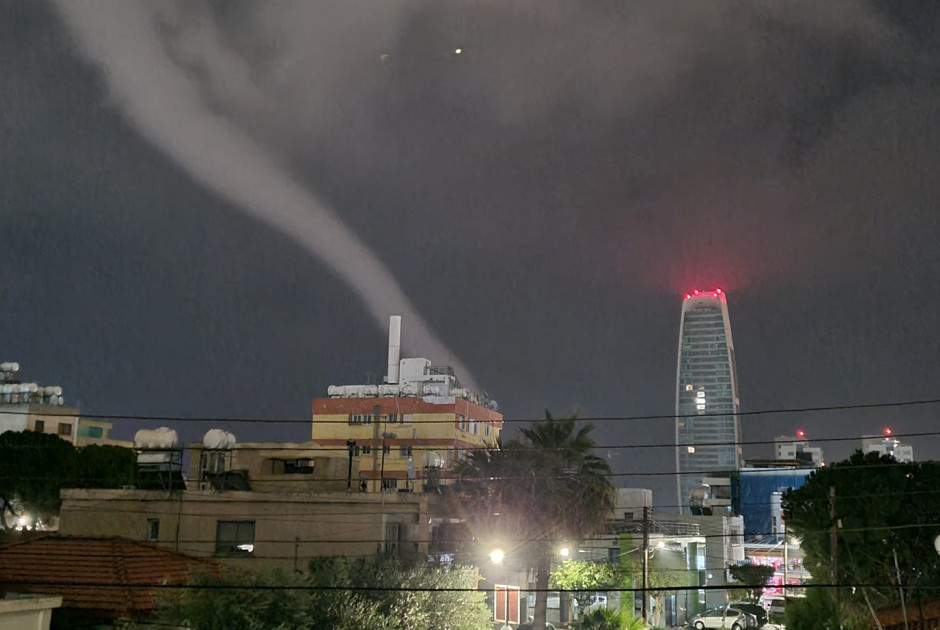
695,292
800,433
887,431
717,290
688,296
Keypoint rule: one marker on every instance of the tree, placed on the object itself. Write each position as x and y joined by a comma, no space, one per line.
753,576
105,466
582,578
664,574
369,594
537,490
882,509
33,468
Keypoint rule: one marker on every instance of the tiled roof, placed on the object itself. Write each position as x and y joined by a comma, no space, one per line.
106,574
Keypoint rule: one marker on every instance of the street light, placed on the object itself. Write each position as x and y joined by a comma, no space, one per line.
564,552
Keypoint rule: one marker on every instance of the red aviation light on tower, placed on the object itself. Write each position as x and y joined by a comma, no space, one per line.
801,433
887,431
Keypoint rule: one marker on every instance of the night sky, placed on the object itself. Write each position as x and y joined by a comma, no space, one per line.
543,199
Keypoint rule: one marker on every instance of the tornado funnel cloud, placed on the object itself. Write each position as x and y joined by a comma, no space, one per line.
165,105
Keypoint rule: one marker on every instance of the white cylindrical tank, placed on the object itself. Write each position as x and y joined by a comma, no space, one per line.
337,391
9,366
218,440
156,439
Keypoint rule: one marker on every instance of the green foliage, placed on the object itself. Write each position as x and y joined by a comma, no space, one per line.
582,578
754,576
817,611
609,619
666,571
543,487
335,594
884,508
105,466
34,467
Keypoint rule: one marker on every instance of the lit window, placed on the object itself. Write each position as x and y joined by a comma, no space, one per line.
235,537
688,388
691,449
700,394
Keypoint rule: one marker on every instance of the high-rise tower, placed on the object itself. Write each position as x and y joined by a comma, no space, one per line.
707,406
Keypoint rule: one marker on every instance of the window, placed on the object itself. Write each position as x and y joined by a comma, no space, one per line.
298,467
487,430
366,450
386,449
405,451
392,533
389,484
393,418
153,529
360,418
461,422
65,428
40,426
473,426
235,537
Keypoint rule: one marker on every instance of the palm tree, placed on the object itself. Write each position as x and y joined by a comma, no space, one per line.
540,488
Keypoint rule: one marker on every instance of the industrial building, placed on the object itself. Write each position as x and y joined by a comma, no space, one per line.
406,433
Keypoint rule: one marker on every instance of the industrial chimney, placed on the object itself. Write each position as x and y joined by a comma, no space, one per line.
394,349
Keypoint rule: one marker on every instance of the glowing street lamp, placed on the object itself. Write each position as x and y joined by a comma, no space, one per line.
496,556
564,552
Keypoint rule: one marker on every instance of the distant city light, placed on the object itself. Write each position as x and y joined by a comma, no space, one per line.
800,433
457,51
887,431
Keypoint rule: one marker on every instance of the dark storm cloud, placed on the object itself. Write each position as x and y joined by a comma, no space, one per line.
543,197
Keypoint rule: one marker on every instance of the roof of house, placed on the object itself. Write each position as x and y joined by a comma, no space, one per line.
107,574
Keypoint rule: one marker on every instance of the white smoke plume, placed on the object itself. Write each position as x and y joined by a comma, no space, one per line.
168,106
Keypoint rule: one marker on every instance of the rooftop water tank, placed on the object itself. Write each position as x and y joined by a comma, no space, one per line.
218,440
156,439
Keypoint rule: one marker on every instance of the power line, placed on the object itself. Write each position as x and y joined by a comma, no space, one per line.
169,418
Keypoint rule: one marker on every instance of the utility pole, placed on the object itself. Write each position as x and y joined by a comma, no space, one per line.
646,561
350,448
786,560
834,547
375,448
897,571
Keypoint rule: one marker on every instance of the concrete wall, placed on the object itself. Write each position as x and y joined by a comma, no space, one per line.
265,463
289,528
27,612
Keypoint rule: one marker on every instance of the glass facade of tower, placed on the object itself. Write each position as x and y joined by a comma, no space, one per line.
707,405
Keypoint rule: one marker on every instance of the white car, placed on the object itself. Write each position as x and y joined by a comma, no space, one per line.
730,618
778,606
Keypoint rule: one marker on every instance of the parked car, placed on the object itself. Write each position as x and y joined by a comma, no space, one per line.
725,617
753,609
778,606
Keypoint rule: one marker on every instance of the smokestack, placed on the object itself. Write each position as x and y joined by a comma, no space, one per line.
394,349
